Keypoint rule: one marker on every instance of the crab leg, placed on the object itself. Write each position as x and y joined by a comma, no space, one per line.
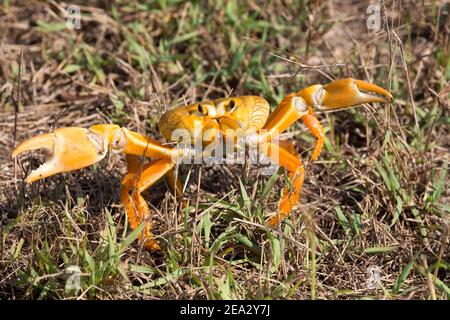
285,155
133,184
316,129
75,148
338,94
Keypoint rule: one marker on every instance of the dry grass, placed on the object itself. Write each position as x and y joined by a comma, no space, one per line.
376,201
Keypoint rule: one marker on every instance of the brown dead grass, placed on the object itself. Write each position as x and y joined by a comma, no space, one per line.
120,86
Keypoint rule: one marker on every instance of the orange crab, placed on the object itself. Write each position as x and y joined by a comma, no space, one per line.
246,119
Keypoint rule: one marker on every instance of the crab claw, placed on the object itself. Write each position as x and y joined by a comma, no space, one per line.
70,148
346,93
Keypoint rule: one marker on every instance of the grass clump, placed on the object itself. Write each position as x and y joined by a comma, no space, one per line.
374,218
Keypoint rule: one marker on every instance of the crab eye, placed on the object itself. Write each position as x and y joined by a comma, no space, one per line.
202,110
231,106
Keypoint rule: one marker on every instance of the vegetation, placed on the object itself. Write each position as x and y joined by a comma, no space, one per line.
375,215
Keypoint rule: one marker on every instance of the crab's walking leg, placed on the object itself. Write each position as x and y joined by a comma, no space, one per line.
316,129
285,155
133,184
291,109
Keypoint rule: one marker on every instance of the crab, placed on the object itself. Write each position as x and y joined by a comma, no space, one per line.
242,121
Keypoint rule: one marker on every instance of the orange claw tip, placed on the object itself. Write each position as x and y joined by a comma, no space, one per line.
369,87
44,141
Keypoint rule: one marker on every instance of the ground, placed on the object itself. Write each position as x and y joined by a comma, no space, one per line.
374,216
